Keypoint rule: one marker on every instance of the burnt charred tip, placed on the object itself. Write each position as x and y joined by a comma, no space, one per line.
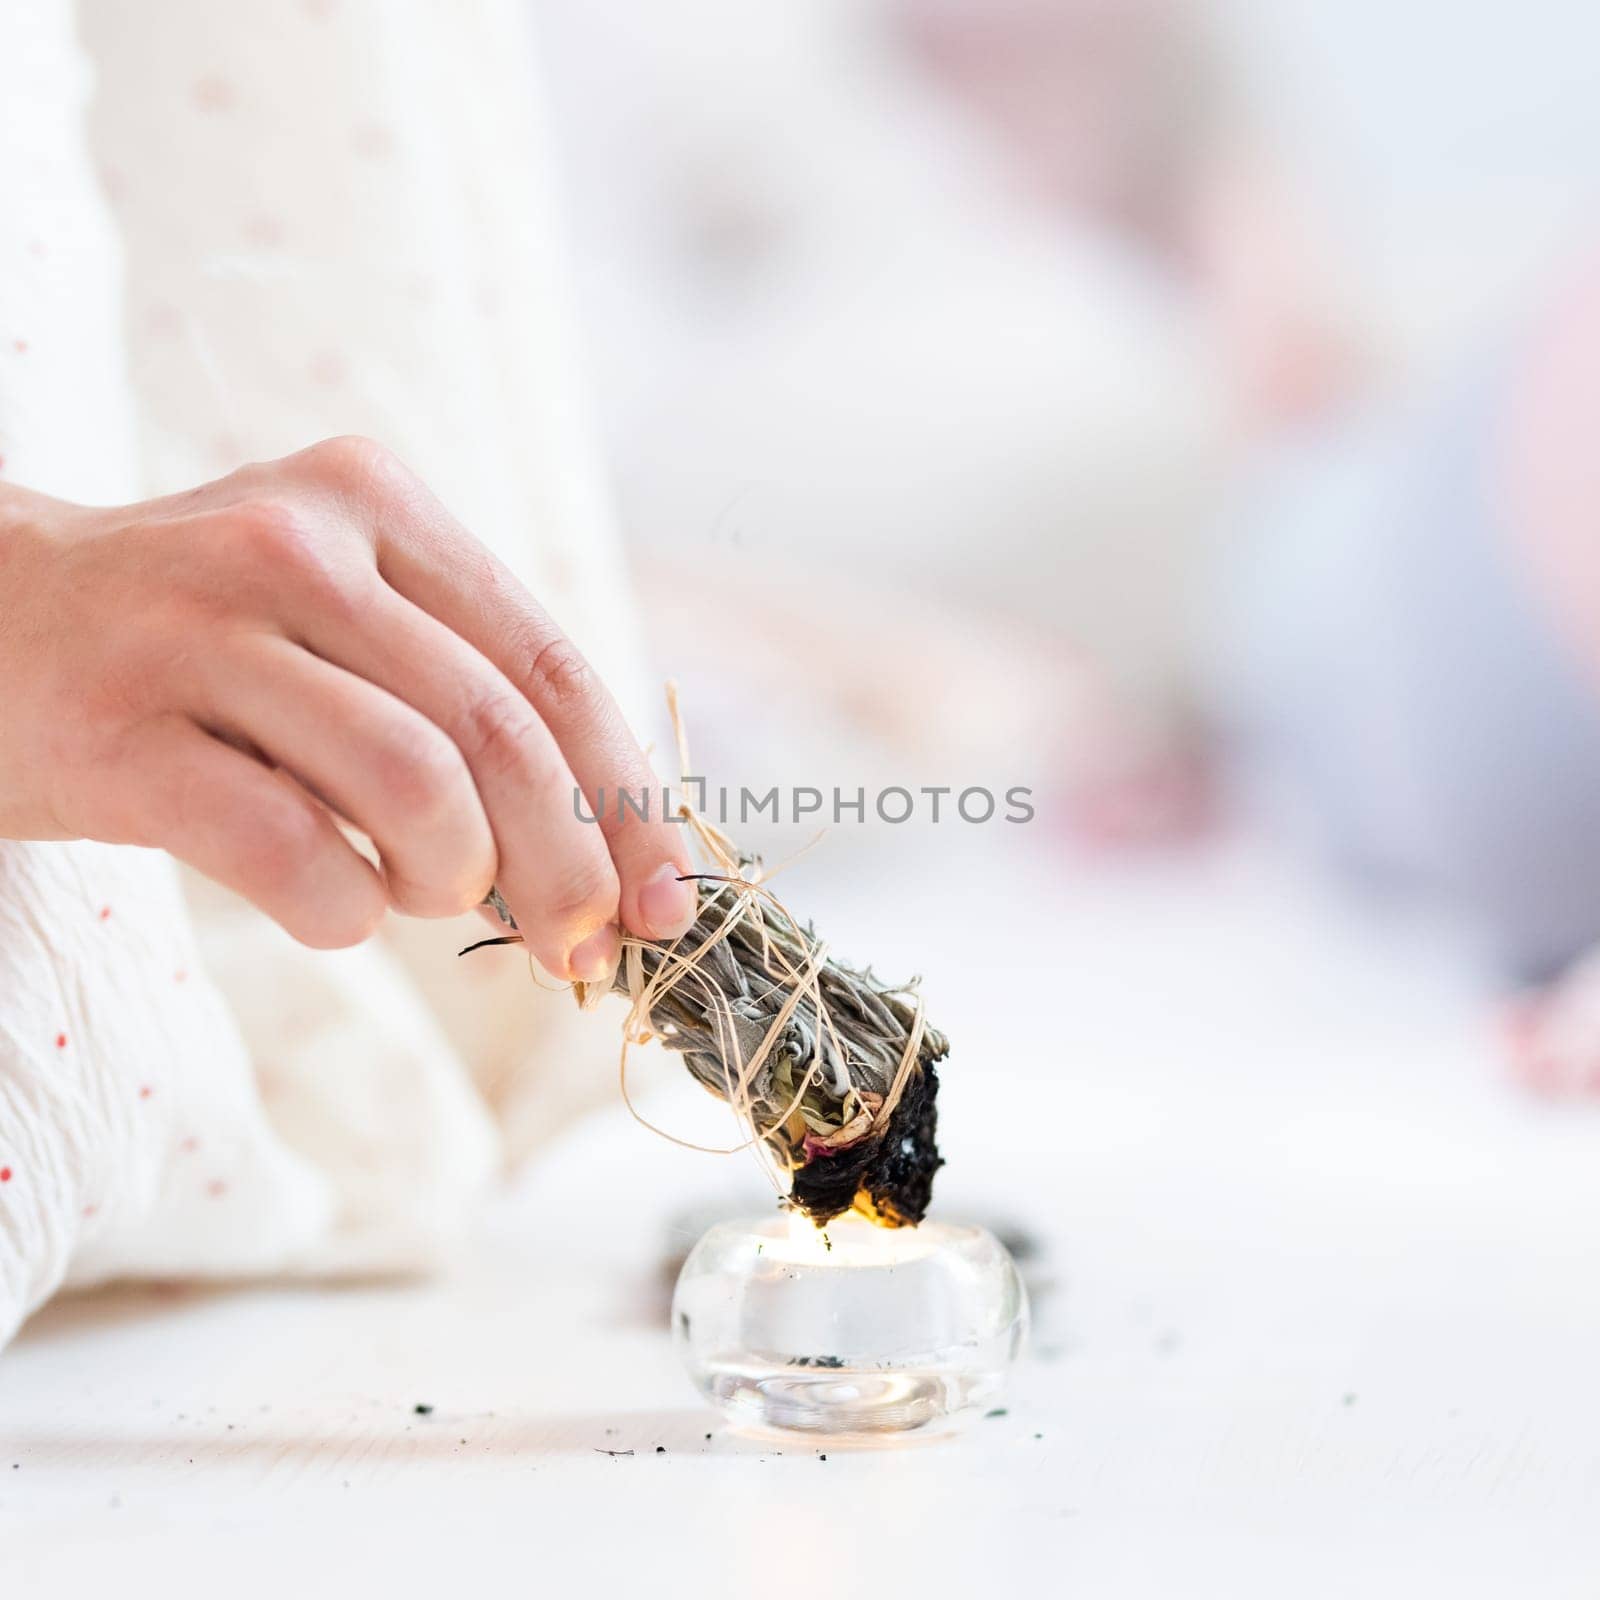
889,1178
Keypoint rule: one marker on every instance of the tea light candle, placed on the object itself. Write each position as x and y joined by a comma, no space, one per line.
849,1329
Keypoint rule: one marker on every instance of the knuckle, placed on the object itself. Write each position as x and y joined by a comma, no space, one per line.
420,770
354,463
502,735
273,536
281,847
283,550
558,676
585,894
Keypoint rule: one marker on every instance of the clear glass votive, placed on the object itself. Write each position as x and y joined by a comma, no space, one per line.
850,1329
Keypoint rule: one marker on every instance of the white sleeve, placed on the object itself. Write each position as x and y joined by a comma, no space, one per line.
133,1138
66,413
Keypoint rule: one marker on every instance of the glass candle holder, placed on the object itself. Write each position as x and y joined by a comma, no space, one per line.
850,1329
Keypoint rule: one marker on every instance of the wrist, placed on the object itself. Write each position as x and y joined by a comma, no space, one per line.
29,619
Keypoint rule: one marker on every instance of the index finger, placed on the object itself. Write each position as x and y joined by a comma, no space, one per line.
428,557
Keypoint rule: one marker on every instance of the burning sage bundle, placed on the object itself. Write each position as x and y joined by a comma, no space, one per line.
829,1072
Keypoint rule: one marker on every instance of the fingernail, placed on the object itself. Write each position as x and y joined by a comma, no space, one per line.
667,906
595,959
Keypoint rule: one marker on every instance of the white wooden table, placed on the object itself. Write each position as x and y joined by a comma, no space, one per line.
1317,1313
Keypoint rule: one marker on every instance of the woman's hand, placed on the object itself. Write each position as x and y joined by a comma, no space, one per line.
221,672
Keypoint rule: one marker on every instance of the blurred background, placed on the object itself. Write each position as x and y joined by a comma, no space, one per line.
1117,397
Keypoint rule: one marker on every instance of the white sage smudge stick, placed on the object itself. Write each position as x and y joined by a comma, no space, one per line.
829,1072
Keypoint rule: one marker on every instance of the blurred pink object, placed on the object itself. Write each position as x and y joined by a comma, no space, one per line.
1099,100
1140,789
1551,1036
1121,111
1551,470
